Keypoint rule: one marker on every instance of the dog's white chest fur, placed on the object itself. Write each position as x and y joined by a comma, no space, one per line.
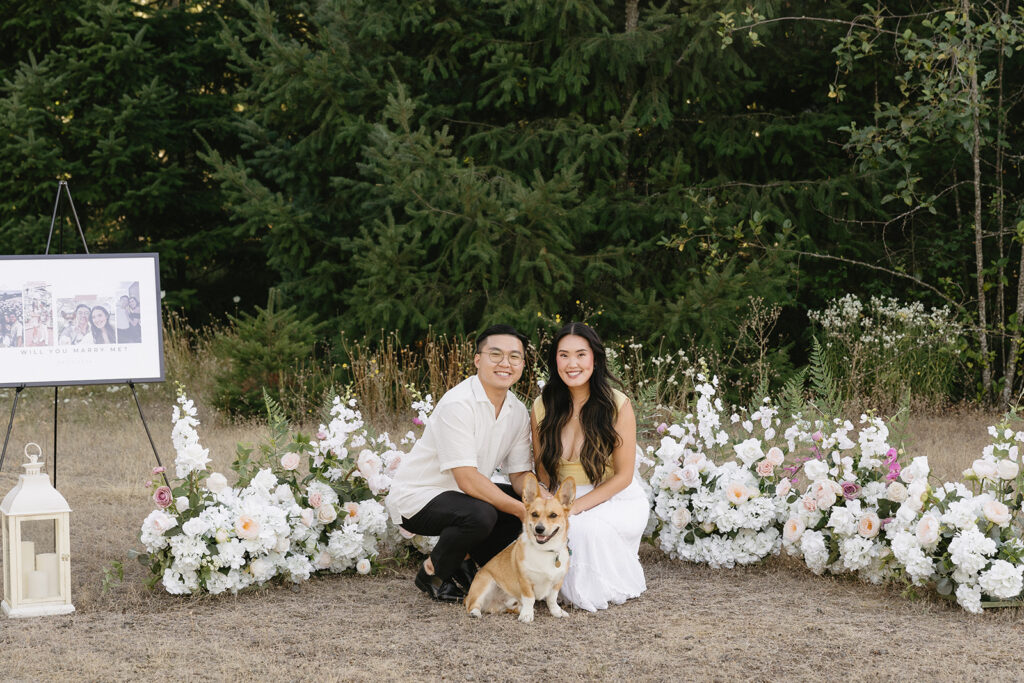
544,568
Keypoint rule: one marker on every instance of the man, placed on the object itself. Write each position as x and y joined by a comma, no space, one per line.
443,486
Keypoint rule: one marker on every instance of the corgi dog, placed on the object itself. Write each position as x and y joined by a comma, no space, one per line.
534,566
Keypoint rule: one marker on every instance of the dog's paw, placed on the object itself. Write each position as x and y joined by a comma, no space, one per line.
475,612
526,616
557,611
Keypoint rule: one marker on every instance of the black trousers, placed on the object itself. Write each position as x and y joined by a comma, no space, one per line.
465,525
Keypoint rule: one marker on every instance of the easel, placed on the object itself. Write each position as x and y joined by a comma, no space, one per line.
63,186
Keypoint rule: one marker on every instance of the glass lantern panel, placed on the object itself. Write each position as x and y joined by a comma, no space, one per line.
40,564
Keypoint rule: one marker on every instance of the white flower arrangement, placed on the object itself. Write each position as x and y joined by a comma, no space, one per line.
207,536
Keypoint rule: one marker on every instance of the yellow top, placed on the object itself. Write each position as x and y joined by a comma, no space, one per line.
573,469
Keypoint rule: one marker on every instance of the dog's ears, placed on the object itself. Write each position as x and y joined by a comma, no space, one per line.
530,488
566,493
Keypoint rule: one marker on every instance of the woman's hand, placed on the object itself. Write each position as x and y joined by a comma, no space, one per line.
576,509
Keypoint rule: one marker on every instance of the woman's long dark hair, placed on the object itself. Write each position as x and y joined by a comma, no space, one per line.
98,332
597,416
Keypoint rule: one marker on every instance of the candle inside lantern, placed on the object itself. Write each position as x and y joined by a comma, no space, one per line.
47,563
36,584
28,560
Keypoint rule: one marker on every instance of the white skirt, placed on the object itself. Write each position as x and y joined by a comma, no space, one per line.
604,568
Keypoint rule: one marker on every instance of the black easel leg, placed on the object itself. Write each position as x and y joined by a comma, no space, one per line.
131,385
55,437
10,424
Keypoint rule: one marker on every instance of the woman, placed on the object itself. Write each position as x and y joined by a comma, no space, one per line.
79,330
584,429
102,330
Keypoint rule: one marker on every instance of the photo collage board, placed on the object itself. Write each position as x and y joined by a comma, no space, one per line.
80,319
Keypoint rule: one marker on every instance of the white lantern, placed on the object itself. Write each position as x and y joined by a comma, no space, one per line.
37,545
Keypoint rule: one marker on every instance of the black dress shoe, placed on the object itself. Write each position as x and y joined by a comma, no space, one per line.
442,591
464,574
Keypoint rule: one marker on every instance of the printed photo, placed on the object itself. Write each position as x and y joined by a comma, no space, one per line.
37,315
12,331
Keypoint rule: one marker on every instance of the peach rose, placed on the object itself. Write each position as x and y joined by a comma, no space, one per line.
783,488
809,503
290,461
765,468
793,530
996,512
869,525
247,527
928,530
674,479
323,560
351,509
736,493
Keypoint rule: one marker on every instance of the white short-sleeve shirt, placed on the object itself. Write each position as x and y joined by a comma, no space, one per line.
462,432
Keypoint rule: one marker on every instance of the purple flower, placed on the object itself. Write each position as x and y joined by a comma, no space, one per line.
162,497
884,522
894,471
890,455
817,436
662,428
159,470
850,490
418,422
321,435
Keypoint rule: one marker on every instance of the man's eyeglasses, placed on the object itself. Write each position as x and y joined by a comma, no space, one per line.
514,357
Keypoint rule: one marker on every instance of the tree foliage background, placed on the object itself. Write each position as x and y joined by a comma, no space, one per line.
649,165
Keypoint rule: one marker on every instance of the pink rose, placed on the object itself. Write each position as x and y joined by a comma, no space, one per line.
290,461
316,499
159,470
765,468
809,503
162,497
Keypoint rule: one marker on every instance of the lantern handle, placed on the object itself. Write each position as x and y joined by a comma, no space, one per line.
33,457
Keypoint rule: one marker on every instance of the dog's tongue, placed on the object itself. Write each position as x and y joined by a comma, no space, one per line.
543,539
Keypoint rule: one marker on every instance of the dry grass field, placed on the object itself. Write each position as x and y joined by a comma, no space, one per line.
776,621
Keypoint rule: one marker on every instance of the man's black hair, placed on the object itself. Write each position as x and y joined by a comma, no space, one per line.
500,329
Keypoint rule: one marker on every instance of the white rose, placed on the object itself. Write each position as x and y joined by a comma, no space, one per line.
326,514
216,482
307,515
985,469
1007,469
290,461
181,502
815,470
783,488
221,536
896,492
363,566
996,512
690,476
681,517
282,544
